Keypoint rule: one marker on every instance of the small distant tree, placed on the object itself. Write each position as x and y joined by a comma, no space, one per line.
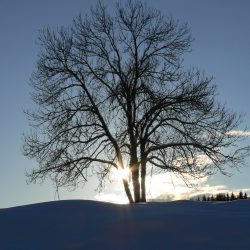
220,197
227,197
245,196
217,197
212,198
232,197
240,196
204,198
112,92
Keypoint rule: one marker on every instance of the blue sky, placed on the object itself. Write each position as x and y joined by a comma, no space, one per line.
221,48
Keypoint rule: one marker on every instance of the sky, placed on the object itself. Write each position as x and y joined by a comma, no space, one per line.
221,48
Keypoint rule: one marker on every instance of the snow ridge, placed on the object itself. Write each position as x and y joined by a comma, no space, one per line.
82,224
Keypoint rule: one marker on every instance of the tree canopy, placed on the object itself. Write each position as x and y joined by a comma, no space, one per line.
112,92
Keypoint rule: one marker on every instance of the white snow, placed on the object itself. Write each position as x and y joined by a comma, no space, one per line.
78,224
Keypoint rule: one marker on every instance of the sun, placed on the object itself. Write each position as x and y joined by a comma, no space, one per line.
120,173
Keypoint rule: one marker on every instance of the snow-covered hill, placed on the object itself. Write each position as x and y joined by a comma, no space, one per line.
77,224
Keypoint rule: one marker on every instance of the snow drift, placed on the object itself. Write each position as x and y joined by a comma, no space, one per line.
77,224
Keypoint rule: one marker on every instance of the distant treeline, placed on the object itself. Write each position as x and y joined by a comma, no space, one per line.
224,197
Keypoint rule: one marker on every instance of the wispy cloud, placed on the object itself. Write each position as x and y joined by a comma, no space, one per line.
239,133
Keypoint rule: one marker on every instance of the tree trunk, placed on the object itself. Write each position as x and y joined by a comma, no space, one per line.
127,190
143,180
136,183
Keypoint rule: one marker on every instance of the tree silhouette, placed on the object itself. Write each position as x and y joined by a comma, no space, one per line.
212,198
220,197
112,92
232,197
224,197
245,196
240,196
204,198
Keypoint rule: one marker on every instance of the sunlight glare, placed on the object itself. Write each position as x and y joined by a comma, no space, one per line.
113,198
119,174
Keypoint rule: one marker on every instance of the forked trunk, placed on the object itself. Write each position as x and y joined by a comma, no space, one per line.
127,190
124,180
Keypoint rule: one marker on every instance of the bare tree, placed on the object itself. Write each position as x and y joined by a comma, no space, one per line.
112,93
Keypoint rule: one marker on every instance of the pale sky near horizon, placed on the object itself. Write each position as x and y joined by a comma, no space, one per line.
221,48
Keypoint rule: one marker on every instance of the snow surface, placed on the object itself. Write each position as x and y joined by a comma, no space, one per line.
78,224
